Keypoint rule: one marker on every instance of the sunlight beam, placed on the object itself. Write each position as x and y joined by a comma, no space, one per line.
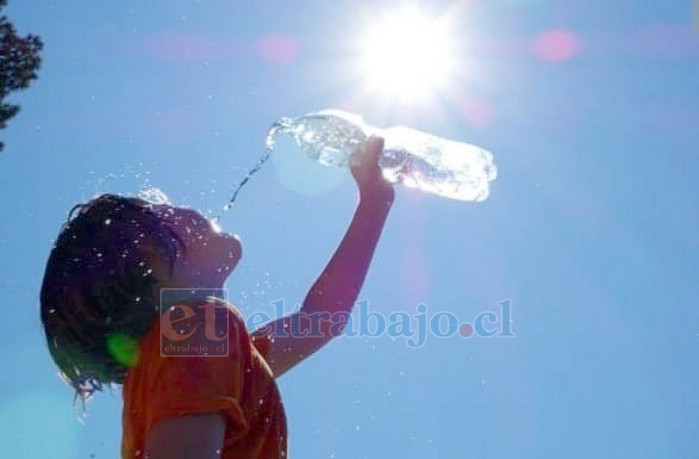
407,55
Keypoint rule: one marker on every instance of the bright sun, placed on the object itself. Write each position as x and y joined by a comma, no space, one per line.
407,55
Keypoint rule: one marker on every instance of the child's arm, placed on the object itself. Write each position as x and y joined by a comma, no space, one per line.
333,294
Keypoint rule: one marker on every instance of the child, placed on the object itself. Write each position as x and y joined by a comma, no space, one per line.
100,308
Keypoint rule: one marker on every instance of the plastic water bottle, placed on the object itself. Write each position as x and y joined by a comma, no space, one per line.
413,158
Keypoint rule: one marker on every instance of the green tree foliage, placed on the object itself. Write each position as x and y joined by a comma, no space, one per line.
19,64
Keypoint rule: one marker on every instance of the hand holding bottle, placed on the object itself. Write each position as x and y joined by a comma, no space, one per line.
367,173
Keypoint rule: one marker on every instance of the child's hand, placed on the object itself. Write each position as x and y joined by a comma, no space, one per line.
367,173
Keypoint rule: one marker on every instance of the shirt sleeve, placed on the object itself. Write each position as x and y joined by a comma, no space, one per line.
261,341
183,386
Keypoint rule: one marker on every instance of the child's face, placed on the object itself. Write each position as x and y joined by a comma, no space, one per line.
210,255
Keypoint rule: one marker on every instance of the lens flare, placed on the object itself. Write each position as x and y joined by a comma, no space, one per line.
556,45
123,348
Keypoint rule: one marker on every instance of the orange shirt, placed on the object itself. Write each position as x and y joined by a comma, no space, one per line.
240,386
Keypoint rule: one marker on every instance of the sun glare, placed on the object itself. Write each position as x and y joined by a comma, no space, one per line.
407,55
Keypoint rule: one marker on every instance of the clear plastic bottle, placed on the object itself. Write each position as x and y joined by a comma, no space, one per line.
413,158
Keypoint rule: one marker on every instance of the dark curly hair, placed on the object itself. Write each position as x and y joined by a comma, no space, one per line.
99,293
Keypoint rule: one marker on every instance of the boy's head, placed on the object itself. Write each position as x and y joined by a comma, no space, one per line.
100,291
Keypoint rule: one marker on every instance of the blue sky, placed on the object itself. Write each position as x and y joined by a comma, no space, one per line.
589,230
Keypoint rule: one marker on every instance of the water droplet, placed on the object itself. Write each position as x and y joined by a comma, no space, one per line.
154,196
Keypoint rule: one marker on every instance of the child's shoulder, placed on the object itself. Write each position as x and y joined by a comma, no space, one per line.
194,317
